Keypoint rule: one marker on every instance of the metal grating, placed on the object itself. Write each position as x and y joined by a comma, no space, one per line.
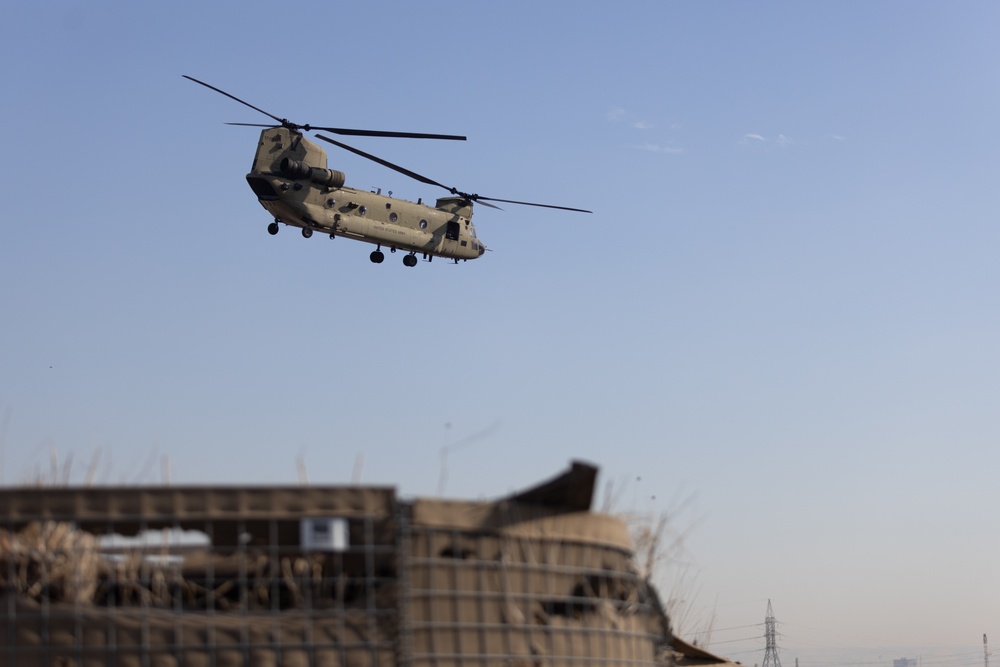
218,589
482,600
308,577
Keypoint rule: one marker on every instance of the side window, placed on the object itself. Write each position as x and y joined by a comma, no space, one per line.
452,231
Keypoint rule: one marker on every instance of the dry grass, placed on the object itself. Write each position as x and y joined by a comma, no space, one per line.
659,540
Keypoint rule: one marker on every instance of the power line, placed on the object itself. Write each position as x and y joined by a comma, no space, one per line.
733,641
738,627
967,658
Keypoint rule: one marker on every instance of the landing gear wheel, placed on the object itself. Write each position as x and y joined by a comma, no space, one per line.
410,260
272,228
376,257
306,232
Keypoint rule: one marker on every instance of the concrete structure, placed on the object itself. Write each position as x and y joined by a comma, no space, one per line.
305,576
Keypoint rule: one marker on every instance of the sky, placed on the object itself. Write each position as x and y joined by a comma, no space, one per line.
779,327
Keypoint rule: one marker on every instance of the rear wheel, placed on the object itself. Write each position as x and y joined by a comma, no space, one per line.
410,260
306,232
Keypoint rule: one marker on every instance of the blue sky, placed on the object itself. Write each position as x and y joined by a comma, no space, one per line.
779,325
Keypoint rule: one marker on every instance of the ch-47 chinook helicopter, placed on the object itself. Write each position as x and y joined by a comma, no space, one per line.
292,182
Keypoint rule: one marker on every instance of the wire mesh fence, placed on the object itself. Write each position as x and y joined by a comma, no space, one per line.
309,576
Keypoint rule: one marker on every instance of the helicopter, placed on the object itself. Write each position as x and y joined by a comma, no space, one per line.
291,180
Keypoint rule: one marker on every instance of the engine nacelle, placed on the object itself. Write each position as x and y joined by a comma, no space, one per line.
299,171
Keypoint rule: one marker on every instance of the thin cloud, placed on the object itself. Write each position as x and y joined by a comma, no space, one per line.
657,148
616,114
642,125
781,140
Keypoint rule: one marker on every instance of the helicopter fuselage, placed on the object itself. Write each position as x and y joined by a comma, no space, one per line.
290,177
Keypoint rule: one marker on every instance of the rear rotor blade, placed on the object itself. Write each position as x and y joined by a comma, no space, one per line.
481,202
336,130
282,121
363,133
381,133
254,124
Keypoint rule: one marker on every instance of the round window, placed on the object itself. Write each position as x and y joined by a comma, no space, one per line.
423,224
362,210
393,217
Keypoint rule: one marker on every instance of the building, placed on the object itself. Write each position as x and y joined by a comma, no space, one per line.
346,576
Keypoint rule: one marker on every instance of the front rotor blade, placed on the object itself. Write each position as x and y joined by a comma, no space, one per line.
485,201
482,200
385,163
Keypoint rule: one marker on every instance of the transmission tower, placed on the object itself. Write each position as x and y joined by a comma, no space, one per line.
771,652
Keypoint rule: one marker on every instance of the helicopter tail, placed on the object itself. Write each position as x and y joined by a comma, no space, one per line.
279,143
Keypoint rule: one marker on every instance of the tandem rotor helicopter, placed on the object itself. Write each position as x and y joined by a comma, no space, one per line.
292,182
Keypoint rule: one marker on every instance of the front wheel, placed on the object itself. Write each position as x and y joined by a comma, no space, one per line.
272,228
376,257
